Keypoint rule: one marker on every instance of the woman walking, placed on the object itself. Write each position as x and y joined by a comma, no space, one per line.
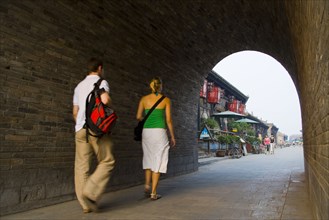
155,141
267,144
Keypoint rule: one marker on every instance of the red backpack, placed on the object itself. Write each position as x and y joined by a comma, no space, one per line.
100,118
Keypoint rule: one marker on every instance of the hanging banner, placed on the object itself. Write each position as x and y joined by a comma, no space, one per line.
242,108
203,91
237,105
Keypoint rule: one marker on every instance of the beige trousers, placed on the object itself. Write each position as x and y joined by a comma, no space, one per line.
92,185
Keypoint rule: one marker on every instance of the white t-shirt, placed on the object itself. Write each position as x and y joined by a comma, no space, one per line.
80,95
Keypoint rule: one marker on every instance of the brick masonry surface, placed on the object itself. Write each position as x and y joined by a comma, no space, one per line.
44,49
313,82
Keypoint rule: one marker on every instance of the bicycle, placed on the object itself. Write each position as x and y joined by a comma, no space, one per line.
234,152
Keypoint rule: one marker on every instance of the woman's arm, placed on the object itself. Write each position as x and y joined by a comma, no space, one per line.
139,115
169,122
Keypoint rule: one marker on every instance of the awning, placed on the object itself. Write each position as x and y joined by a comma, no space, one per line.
228,114
247,120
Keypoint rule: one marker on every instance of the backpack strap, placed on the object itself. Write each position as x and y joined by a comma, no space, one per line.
96,87
97,84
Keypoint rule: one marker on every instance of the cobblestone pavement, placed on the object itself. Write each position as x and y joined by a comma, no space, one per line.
252,187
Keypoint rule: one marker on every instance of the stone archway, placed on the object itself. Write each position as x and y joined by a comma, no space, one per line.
267,84
44,47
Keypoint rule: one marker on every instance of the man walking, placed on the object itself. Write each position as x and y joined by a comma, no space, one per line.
272,144
89,188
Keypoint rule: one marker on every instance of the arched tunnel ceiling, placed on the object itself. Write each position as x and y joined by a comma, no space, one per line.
171,36
197,36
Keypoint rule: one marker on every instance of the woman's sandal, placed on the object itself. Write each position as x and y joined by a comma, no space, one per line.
147,191
155,196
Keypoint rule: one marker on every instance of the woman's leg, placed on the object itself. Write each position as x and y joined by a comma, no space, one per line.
155,180
148,175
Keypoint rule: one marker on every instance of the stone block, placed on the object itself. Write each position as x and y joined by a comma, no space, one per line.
33,193
9,197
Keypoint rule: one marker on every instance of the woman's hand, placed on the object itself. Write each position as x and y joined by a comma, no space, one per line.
172,142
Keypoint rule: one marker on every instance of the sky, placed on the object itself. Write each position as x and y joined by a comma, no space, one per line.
272,93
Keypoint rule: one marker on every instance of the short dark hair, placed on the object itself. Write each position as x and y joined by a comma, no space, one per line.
93,64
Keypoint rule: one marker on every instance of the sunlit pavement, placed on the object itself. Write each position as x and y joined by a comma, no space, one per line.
256,186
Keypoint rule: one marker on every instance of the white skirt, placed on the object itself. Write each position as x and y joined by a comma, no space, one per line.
155,149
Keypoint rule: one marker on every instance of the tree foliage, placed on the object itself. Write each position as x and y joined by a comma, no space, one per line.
210,122
243,128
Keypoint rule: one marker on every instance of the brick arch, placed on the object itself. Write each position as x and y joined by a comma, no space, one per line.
44,48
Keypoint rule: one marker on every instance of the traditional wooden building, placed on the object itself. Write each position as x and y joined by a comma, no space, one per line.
218,95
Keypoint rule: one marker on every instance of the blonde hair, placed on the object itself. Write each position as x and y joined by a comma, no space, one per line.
155,84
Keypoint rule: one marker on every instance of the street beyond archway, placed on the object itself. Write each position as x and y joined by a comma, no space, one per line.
252,187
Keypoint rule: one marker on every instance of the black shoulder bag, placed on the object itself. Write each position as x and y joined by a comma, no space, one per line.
139,128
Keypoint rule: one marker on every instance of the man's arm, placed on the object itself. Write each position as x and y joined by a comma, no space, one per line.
106,99
75,112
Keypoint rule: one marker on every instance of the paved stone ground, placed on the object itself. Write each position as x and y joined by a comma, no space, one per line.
252,187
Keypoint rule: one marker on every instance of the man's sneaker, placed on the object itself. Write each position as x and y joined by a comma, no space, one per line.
86,210
90,203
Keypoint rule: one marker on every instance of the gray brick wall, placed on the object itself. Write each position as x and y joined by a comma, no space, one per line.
44,48
312,55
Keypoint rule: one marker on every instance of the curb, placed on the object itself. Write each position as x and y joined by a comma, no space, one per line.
207,162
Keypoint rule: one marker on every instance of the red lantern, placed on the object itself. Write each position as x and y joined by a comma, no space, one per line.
213,95
231,107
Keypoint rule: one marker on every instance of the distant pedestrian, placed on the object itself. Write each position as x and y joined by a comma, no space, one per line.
267,143
88,187
272,144
155,141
